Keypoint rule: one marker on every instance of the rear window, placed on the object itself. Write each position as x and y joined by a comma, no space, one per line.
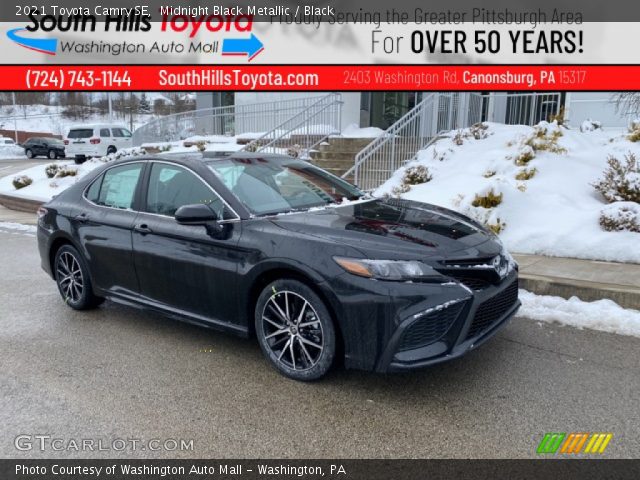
80,133
55,141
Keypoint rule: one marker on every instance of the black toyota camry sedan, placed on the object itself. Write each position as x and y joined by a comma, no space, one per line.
276,248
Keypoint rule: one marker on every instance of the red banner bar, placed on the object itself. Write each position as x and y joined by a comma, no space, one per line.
319,77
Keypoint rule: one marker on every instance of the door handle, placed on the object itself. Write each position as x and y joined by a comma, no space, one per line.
143,229
82,218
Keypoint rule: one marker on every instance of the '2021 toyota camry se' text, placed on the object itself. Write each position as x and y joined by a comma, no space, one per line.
276,248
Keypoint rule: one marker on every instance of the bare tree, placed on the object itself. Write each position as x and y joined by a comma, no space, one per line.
627,103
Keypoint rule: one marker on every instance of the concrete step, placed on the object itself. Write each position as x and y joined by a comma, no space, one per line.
335,156
586,279
331,148
304,139
349,144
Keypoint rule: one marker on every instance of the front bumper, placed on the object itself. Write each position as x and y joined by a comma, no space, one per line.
478,319
418,325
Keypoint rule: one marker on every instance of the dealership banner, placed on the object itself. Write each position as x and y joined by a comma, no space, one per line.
321,77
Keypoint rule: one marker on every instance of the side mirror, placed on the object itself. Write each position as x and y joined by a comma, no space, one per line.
198,214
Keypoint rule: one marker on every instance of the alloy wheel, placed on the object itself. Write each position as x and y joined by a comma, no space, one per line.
70,277
292,330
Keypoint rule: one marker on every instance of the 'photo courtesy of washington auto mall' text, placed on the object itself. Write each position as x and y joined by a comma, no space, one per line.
356,240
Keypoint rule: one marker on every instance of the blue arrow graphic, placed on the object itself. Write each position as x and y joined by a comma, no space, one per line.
242,46
43,45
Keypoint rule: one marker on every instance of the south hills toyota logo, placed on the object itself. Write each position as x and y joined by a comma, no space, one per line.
41,45
30,36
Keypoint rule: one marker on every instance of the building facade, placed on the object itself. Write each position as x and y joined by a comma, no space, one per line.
382,109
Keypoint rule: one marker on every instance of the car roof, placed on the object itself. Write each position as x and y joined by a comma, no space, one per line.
95,125
192,160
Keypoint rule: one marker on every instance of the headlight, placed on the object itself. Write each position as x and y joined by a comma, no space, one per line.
389,269
512,263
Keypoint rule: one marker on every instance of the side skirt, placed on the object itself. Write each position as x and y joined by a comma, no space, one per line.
177,314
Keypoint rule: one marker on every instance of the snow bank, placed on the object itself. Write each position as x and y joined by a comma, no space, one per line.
11,151
354,131
603,315
29,230
224,147
555,212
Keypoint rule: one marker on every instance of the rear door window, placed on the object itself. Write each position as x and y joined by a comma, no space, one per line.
118,187
80,133
104,132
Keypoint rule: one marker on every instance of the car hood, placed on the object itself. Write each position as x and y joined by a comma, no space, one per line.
396,229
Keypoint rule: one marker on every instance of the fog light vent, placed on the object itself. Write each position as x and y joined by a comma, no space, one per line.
429,328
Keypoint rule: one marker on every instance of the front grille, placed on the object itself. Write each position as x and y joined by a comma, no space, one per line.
492,310
475,273
474,282
430,327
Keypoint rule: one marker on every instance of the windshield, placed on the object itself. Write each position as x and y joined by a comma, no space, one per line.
80,133
268,186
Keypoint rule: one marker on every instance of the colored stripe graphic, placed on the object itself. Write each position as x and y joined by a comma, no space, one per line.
580,444
550,443
598,443
574,443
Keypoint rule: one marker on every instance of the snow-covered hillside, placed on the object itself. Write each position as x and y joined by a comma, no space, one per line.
533,185
49,118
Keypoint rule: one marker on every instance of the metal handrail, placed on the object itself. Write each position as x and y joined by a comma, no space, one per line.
414,131
224,121
381,154
326,109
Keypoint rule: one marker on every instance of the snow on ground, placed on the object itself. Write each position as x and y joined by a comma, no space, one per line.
224,147
555,213
603,315
354,131
19,228
11,151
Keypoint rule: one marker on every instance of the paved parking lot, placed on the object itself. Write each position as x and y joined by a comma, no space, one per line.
10,166
122,373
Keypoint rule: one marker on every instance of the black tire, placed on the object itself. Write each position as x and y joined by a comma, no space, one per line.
73,280
304,348
29,153
111,150
79,159
52,155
